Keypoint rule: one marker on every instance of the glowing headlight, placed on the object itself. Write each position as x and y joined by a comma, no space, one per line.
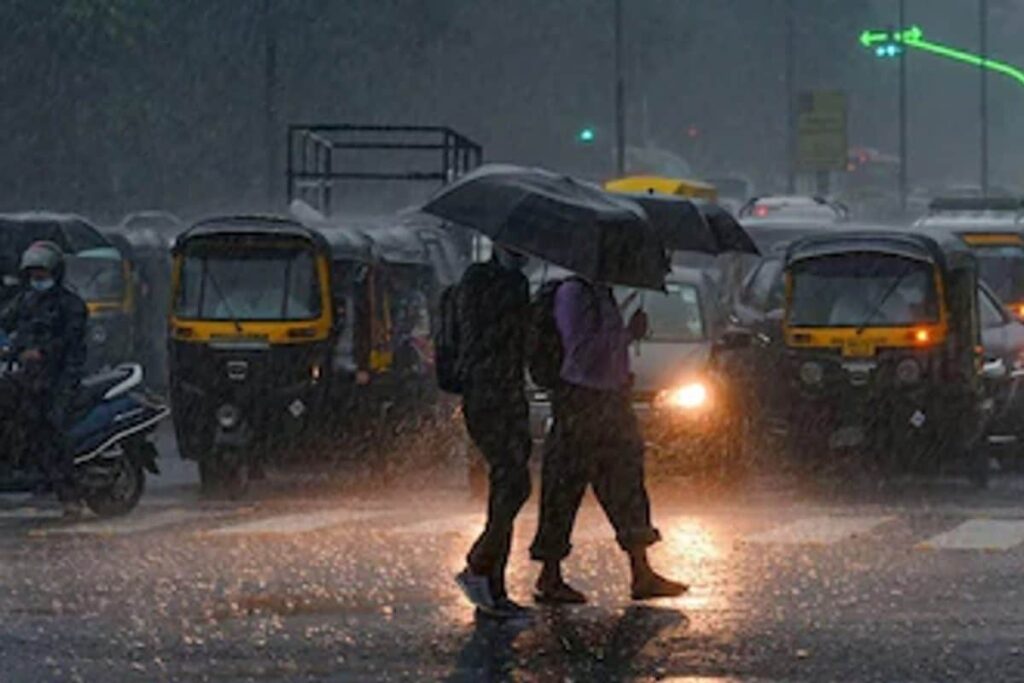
687,397
98,334
811,372
227,416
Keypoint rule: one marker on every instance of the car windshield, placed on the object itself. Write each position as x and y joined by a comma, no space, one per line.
673,316
1002,268
224,282
95,279
854,290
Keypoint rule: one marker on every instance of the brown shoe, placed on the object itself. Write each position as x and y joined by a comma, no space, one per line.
655,585
558,594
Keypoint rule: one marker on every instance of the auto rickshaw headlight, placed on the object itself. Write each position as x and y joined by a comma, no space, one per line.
811,372
908,371
690,396
98,334
228,416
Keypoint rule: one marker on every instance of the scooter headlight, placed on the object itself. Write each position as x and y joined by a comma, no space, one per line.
228,416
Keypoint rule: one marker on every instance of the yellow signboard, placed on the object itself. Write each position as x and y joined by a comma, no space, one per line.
821,131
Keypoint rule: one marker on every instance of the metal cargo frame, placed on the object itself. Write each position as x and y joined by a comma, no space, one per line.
315,154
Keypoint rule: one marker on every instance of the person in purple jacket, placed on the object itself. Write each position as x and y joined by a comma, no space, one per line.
595,440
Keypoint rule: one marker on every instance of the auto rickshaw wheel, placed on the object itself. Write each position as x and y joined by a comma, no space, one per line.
223,476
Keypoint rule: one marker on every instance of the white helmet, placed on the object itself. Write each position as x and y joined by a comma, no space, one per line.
43,254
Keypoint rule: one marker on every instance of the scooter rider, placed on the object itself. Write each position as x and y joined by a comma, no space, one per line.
46,324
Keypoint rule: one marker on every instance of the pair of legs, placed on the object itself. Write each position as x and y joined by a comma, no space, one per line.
595,441
35,420
497,419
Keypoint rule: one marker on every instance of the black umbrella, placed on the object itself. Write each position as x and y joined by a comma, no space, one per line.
730,234
558,219
694,225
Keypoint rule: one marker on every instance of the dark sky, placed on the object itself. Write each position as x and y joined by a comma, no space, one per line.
143,103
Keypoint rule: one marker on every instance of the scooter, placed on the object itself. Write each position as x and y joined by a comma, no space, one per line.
112,418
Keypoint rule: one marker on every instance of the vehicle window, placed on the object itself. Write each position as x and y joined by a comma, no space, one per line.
675,315
1002,269
95,279
853,290
224,282
990,311
765,289
82,237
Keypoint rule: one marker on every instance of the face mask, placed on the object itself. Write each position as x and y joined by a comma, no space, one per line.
42,285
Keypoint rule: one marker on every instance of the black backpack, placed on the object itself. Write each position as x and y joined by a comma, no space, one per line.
447,343
544,352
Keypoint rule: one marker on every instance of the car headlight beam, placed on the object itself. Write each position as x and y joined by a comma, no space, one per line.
690,396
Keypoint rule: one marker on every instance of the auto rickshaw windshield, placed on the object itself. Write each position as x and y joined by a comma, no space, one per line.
224,282
95,278
674,315
862,290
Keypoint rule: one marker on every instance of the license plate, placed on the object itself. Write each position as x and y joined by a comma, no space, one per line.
858,348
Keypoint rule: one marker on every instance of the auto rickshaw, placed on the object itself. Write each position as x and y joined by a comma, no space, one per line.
682,187
148,262
254,327
882,350
104,280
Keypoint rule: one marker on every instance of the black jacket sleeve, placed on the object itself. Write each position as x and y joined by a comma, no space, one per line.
71,344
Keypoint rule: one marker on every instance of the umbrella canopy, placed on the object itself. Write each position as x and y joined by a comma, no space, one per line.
647,184
558,219
731,236
696,226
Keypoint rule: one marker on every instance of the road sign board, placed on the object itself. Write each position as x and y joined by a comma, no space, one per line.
821,131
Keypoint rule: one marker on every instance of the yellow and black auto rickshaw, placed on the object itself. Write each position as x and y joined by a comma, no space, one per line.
258,308
103,278
882,350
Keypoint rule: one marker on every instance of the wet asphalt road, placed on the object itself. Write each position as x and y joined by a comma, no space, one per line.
311,582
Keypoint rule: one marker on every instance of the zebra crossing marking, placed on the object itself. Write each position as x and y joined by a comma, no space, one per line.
294,523
124,526
979,534
25,514
823,530
464,524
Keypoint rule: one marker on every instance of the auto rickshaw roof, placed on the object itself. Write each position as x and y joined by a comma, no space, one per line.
685,187
904,244
251,226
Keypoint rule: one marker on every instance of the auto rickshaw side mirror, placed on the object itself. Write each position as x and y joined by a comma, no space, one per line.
733,339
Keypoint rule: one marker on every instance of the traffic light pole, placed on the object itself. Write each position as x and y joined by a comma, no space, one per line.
790,100
620,96
983,36
903,114
270,86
